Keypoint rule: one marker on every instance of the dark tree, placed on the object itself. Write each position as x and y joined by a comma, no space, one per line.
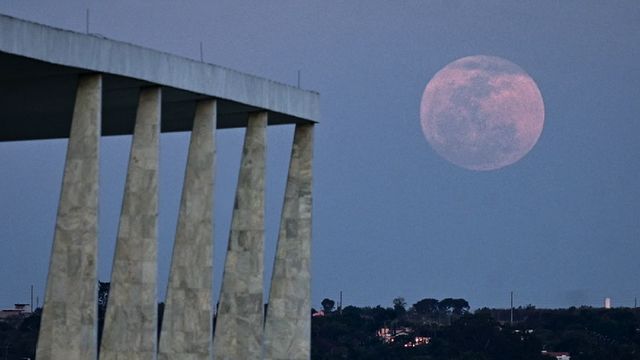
328,305
399,305
426,306
459,306
103,299
445,306
103,293
380,315
453,308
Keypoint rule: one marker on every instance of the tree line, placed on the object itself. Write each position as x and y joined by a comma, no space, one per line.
453,331
456,333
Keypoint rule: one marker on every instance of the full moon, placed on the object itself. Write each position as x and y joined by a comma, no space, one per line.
482,112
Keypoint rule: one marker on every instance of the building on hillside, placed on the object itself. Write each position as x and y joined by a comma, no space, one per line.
18,310
557,355
388,336
418,341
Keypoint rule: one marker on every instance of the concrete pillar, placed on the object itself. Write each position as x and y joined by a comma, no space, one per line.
69,320
240,313
187,320
287,333
131,317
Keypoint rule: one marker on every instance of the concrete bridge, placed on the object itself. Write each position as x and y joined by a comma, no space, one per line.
57,84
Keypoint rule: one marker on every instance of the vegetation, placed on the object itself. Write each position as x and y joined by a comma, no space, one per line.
18,336
446,329
456,334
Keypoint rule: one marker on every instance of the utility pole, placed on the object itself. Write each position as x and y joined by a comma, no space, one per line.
340,304
512,308
31,298
87,21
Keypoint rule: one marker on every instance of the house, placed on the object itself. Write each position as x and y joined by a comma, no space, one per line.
557,355
18,310
389,336
418,341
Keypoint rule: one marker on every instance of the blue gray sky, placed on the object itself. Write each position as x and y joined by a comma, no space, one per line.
392,218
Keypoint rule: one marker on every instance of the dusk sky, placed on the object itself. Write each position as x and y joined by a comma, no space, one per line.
560,227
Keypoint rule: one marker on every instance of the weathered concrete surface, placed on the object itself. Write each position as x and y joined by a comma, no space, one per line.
131,317
287,333
69,320
69,48
187,321
239,323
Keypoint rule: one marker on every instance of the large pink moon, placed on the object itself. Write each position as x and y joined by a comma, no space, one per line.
482,112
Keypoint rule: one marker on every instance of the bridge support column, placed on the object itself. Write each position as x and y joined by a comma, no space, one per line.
187,320
288,322
239,325
69,320
130,328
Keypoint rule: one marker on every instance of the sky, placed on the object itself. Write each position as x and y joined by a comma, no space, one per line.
392,218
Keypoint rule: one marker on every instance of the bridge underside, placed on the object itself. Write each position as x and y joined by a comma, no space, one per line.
37,103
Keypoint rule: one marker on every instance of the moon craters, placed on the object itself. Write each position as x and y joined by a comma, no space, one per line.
482,113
